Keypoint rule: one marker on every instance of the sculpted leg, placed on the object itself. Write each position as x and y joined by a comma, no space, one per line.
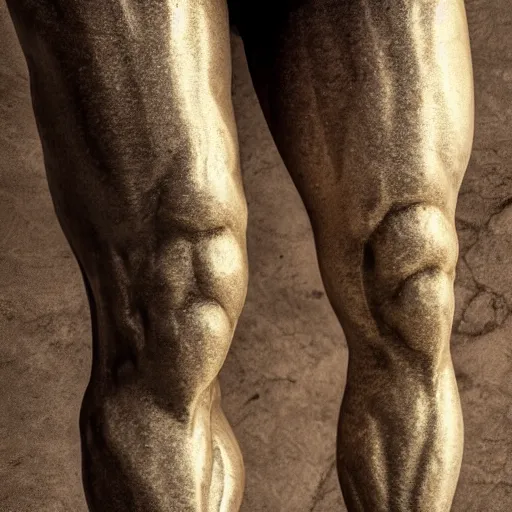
133,104
371,106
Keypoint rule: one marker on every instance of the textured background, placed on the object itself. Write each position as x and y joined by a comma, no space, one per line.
284,376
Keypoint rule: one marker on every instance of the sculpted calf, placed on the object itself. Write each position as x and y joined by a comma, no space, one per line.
133,104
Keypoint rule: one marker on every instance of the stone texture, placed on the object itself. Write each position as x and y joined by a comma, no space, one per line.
483,314
283,379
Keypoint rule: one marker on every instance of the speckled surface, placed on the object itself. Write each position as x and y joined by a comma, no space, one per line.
284,376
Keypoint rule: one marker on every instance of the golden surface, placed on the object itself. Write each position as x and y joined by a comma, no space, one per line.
371,106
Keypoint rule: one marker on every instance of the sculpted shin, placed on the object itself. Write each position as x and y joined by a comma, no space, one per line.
371,106
133,105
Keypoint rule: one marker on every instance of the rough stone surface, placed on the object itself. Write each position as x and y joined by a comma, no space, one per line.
284,376
483,314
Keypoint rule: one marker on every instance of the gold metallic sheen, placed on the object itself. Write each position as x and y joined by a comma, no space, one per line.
370,103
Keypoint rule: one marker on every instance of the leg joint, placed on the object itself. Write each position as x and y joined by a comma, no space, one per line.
408,271
407,242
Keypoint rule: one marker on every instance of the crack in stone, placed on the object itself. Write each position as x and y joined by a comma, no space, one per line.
478,308
320,491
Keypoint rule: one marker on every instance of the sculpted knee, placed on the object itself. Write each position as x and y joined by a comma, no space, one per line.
194,298
175,310
409,263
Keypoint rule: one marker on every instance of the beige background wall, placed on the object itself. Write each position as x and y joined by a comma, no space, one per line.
284,376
